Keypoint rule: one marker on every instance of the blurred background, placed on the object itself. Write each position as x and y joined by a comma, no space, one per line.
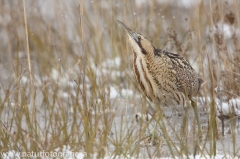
81,66
62,34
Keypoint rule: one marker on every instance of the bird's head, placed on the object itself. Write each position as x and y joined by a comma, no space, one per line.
139,44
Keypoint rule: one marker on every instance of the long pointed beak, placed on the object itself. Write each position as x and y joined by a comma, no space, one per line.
131,33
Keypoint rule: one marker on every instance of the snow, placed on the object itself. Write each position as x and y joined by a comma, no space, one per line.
66,153
126,92
113,93
64,78
26,79
232,106
188,3
109,68
225,29
112,62
181,3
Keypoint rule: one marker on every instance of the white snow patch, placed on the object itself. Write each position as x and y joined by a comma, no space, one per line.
36,80
126,92
109,68
82,155
233,106
113,93
54,74
225,29
112,62
24,80
106,111
181,3
188,3
65,153
64,78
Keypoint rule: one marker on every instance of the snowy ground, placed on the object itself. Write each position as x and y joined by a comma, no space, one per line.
224,143
124,100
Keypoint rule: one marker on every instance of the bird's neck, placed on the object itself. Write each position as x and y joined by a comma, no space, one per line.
149,57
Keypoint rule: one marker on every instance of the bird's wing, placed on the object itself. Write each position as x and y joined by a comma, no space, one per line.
186,77
175,58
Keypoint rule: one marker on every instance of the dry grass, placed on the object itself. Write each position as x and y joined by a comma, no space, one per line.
75,48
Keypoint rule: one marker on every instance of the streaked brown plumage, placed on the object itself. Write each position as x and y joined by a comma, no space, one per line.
164,77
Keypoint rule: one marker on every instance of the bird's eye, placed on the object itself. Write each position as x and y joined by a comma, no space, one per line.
139,37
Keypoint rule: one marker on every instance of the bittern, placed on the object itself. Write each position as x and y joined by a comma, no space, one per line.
166,78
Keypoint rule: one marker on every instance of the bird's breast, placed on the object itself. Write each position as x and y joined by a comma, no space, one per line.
144,77
153,79
158,81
